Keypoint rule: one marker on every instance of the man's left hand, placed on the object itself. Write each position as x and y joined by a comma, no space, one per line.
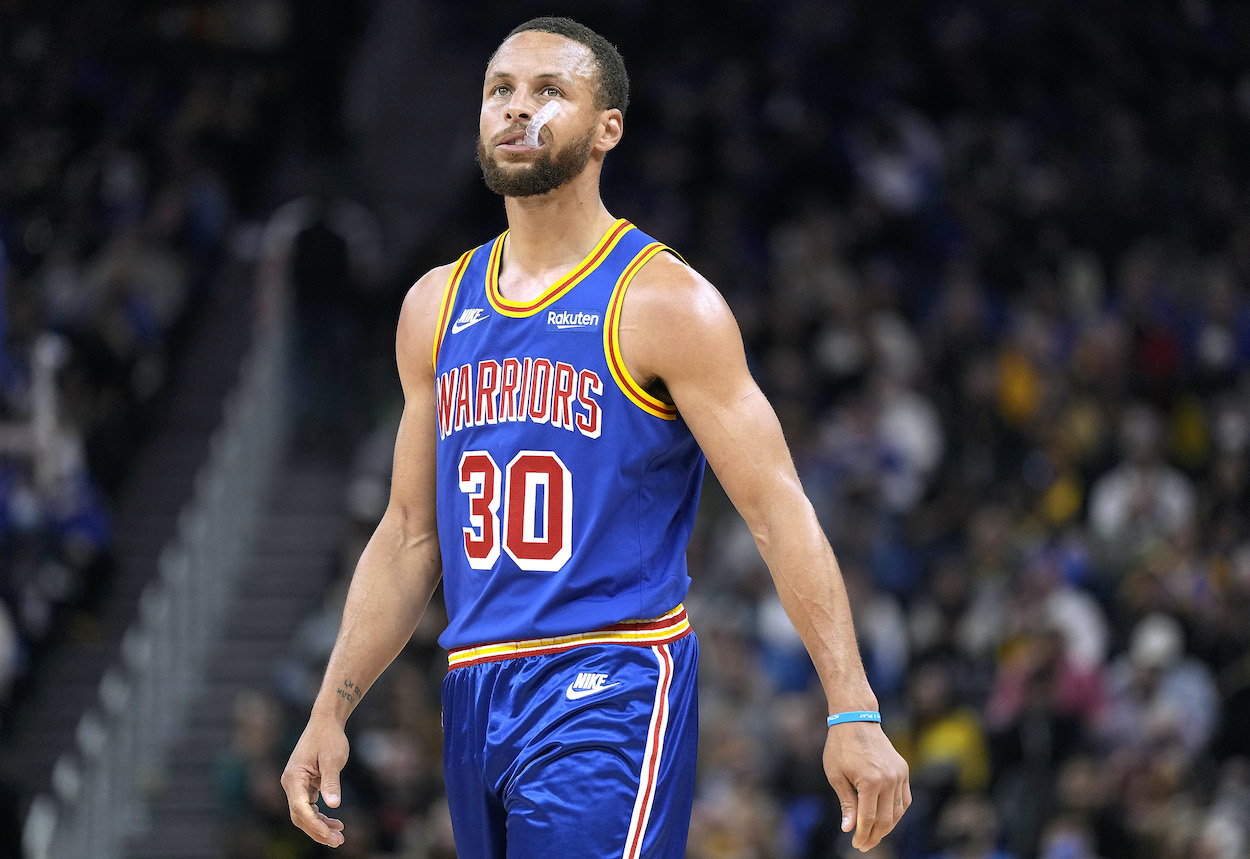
870,778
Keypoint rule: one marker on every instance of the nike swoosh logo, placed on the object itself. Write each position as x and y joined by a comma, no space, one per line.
462,324
573,694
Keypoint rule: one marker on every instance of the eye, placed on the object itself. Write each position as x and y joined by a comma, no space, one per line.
501,90
551,92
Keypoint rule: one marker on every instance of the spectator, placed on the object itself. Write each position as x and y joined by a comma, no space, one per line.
968,829
943,742
1085,798
1158,695
1143,498
1066,838
328,248
247,773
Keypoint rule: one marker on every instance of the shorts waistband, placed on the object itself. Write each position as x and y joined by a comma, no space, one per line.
645,633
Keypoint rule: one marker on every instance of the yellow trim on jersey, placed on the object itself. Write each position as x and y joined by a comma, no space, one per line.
517,309
612,346
669,626
449,301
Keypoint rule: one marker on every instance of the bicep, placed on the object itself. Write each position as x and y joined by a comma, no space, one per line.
705,372
414,465
739,433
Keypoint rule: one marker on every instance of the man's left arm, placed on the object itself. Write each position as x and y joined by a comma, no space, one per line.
678,334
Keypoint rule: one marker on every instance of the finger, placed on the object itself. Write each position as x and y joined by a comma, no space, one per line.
332,822
894,802
848,801
299,787
887,813
299,783
869,812
330,790
316,825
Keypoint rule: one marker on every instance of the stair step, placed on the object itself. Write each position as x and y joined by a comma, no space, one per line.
307,543
178,839
316,525
173,850
213,714
203,757
244,652
269,629
193,787
263,579
194,809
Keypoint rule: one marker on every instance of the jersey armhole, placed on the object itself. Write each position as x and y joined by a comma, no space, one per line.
612,343
449,301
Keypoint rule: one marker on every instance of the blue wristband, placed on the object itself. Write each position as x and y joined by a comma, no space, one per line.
854,716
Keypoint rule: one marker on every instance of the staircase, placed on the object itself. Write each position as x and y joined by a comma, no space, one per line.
44,724
295,557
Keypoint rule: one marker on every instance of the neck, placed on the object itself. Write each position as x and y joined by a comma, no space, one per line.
555,229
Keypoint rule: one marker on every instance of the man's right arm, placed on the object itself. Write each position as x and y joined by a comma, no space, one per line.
394,578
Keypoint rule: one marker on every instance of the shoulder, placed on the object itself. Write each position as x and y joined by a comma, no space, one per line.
418,317
427,293
675,326
669,294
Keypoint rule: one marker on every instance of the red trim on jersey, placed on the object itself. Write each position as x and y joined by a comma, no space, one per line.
651,757
561,286
611,341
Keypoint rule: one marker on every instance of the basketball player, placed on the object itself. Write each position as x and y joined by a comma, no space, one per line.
563,384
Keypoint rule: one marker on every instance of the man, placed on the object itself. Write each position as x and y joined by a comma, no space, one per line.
562,385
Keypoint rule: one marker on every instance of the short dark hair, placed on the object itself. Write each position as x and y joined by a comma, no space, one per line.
613,90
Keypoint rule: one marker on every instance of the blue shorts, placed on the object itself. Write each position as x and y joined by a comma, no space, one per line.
582,746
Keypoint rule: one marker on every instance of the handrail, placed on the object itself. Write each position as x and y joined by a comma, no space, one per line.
101,787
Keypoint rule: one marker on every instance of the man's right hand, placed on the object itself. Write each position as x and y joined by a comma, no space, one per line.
314,769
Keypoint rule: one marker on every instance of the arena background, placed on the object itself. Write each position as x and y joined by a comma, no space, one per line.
990,261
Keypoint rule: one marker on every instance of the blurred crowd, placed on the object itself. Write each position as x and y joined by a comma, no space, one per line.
991,262
136,137
111,210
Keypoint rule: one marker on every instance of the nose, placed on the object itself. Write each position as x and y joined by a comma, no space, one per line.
519,108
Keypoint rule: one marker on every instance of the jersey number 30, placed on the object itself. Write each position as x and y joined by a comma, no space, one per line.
537,522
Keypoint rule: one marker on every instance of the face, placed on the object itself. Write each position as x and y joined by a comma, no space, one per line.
529,70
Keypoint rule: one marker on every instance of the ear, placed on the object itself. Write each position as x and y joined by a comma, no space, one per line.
611,128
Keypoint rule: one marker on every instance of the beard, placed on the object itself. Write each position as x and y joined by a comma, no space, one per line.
549,171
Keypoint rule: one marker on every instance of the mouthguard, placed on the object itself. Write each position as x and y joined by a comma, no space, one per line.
545,115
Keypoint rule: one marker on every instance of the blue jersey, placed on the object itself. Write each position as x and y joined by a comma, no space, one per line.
566,492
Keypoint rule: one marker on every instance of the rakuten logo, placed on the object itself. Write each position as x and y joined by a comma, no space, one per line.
567,320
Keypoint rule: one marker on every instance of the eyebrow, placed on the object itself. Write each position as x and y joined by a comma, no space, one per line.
555,76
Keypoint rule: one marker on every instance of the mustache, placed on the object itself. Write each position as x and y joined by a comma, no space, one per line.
510,132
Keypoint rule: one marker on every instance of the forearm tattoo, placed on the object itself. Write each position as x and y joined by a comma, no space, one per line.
350,692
